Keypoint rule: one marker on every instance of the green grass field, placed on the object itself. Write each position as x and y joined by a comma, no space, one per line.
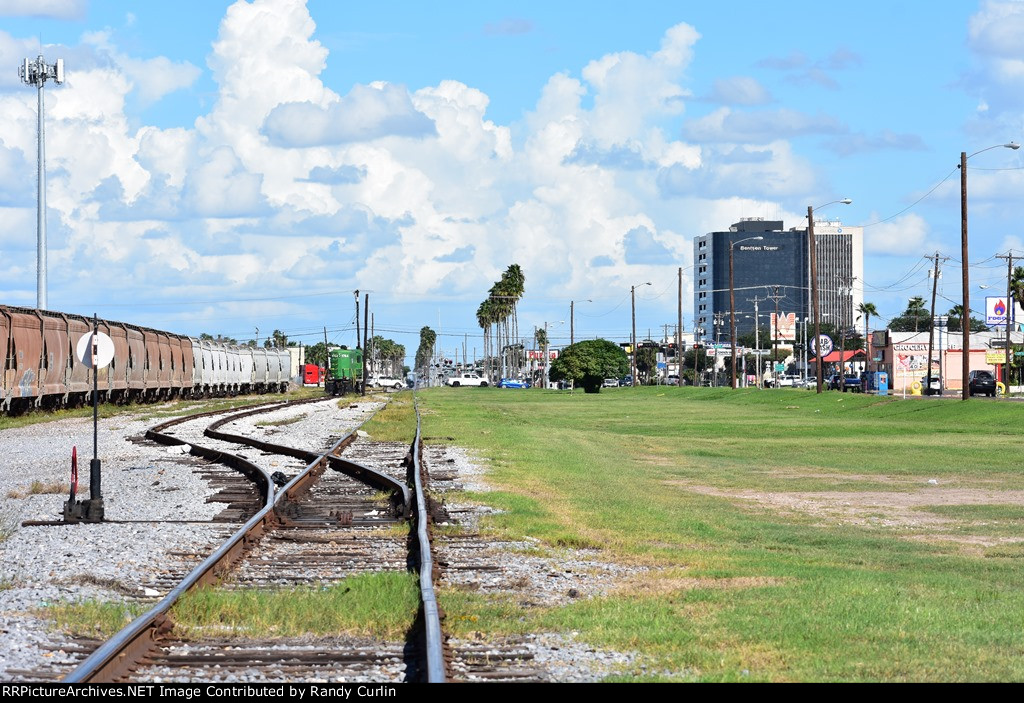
788,536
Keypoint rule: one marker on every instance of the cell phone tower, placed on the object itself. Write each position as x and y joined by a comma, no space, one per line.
37,73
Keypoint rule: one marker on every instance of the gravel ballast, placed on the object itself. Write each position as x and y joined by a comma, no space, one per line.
116,561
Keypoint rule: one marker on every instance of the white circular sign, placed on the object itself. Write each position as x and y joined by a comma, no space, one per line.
824,343
104,349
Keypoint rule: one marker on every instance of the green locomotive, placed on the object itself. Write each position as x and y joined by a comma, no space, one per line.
345,371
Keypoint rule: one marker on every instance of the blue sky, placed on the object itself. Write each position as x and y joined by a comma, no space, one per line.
220,166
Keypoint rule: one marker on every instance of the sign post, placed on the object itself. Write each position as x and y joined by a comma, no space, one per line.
95,350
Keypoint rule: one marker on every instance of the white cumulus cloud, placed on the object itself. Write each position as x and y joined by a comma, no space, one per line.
906,235
57,9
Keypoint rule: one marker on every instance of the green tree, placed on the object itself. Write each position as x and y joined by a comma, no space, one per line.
646,360
867,311
915,318
317,354
426,349
589,362
540,336
1017,286
388,355
750,339
956,314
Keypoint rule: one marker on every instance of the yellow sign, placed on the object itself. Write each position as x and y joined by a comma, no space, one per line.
997,356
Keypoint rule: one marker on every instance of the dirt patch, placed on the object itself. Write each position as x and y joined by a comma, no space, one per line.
893,509
658,460
664,586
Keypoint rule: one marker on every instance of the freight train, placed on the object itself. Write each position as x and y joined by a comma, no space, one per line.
40,368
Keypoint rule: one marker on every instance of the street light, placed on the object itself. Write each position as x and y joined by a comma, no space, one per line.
965,321
546,343
572,319
632,367
732,303
814,285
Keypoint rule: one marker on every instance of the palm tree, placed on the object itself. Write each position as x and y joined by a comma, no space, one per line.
484,315
915,308
867,310
1017,287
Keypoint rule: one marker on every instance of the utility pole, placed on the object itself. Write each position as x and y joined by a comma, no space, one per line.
358,336
1009,316
327,363
931,331
719,321
757,335
845,288
679,333
965,317
632,296
366,329
775,335
698,336
632,340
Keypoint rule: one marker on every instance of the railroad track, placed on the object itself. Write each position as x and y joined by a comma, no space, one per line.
325,523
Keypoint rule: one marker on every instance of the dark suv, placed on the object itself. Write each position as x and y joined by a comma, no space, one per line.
981,382
850,382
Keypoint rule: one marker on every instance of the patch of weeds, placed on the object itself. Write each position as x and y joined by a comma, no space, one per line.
983,519
1005,551
383,497
42,488
395,422
449,530
286,421
91,618
382,604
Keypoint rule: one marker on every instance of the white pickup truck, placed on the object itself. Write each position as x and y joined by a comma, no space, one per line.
466,379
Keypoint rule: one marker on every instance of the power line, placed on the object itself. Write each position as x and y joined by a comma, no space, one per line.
908,207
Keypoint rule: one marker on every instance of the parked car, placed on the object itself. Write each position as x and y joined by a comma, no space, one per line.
788,380
811,382
981,382
672,380
388,382
466,379
933,388
513,383
850,382
626,381
610,383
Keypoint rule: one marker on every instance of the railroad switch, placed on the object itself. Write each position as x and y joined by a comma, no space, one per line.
90,510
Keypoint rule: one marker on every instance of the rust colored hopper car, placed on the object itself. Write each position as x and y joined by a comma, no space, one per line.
40,368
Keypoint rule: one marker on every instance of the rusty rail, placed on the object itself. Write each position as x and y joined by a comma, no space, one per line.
431,612
119,655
